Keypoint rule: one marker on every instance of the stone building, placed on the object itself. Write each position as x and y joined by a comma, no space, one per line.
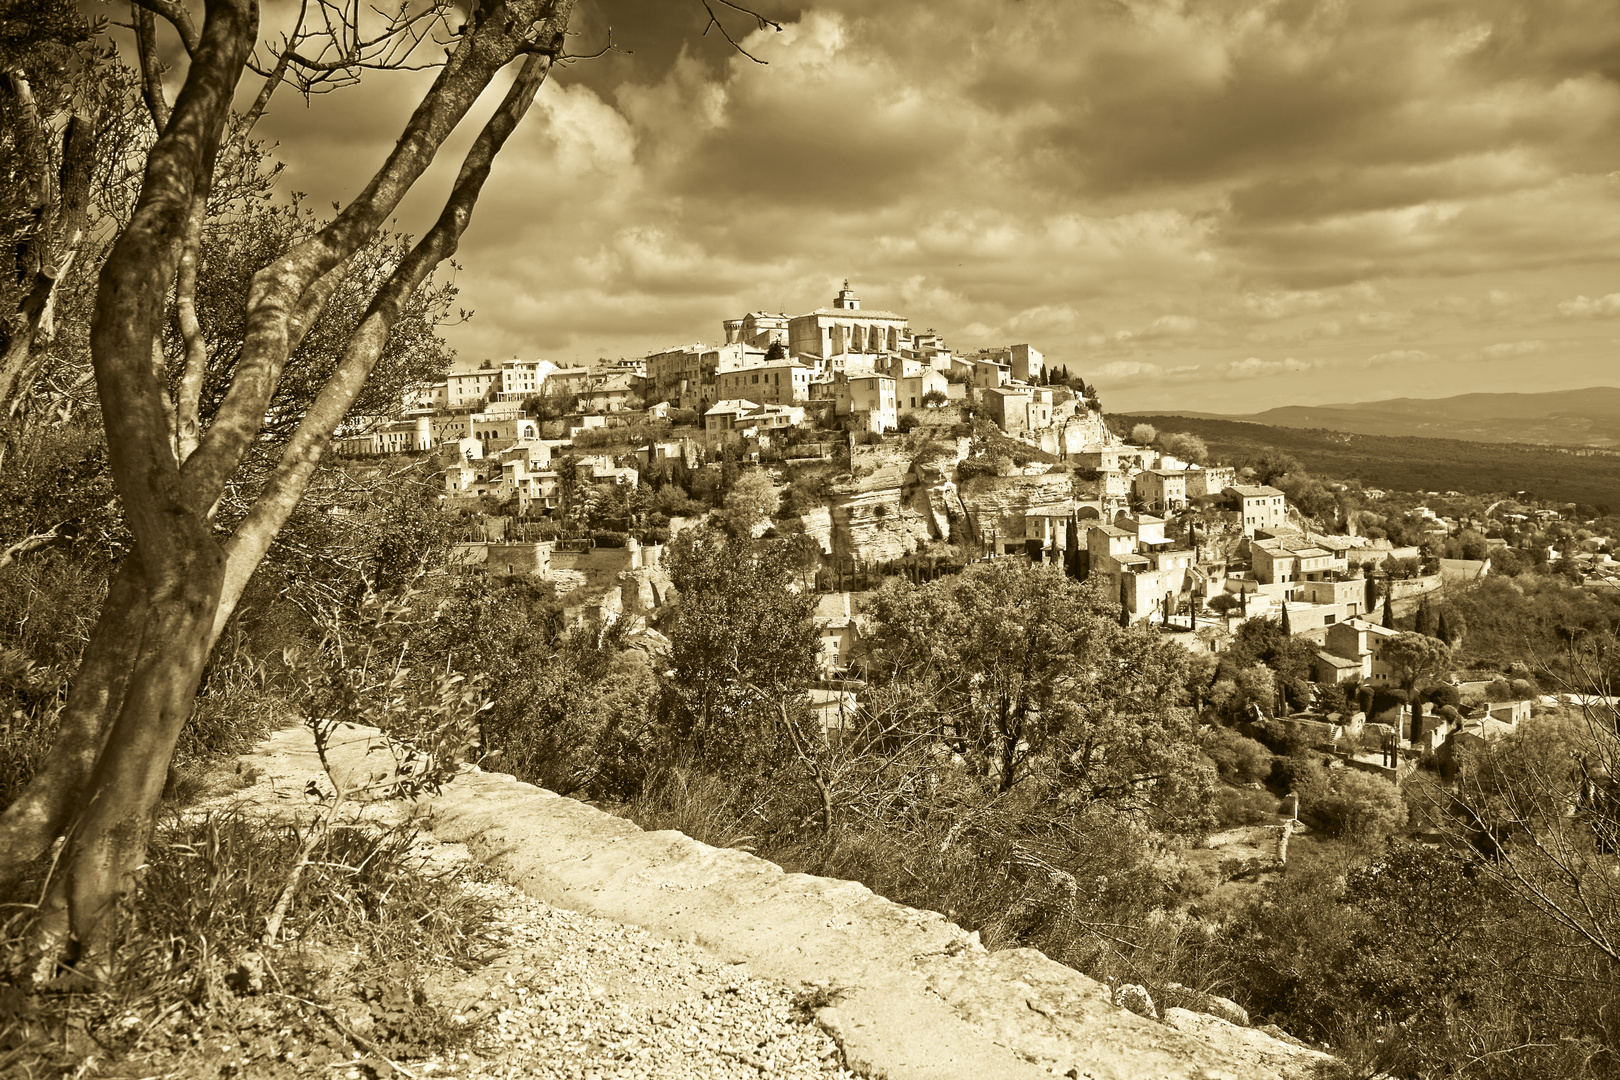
834,334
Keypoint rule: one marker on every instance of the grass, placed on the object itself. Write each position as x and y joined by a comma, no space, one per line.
193,989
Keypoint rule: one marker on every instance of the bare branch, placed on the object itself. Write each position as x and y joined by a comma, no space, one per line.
151,68
277,288
714,21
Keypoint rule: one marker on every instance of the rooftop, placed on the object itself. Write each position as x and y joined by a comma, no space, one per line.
858,313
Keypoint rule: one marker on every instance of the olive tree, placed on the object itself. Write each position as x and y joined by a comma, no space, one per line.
98,788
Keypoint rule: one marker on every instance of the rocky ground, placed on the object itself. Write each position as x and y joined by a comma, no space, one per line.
605,951
573,997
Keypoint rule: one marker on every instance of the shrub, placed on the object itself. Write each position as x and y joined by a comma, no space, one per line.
609,539
1443,694
1353,805
1237,758
1236,807
980,466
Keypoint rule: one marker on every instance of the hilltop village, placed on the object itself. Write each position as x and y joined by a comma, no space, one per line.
883,452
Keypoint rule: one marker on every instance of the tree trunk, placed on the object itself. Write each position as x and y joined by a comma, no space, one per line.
137,682
114,820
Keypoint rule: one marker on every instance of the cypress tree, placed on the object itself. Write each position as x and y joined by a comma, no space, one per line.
1389,613
1287,631
1443,629
1124,609
1425,619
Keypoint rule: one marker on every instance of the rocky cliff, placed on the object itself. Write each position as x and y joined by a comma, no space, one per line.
904,992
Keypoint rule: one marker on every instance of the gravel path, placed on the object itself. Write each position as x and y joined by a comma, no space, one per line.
574,997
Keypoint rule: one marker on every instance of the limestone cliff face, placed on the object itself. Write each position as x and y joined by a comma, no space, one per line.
1070,435
999,502
895,500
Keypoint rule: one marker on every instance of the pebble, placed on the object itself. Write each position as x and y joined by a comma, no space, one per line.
572,997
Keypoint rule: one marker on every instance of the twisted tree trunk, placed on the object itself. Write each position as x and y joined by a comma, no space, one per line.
99,787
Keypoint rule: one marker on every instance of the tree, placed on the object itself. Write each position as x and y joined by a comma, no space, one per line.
1353,805
46,66
1143,434
1415,656
172,596
752,500
1188,448
935,398
1425,623
1028,676
741,643
1389,609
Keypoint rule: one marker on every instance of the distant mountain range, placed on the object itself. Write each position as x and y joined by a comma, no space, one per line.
1589,417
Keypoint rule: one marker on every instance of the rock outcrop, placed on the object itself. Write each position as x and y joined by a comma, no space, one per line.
906,994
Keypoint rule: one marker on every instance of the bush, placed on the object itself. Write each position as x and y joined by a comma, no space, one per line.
1442,695
1236,807
609,539
1238,759
1353,805
384,929
980,466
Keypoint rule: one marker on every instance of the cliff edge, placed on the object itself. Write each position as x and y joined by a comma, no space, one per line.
905,993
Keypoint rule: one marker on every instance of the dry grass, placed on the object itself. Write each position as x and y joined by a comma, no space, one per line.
190,986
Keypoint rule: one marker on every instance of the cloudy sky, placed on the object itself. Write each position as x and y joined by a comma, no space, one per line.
1203,204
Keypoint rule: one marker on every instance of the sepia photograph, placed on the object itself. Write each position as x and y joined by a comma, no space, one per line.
885,540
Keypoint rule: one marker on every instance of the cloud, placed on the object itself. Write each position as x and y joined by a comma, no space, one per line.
1508,350
1153,183
1413,357
1599,306
1129,372
1256,368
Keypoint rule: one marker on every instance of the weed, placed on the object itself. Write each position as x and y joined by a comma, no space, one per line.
366,930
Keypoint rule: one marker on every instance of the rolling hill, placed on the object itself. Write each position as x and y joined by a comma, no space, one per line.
1589,417
1411,463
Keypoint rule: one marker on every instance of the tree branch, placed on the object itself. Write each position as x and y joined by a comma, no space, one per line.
303,452
135,279
178,16
277,289
714,21
151,69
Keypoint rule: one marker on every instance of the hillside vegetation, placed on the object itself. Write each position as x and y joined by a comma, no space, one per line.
1587,417
1410,463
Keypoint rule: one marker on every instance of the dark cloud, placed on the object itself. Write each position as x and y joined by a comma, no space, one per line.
1219,196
